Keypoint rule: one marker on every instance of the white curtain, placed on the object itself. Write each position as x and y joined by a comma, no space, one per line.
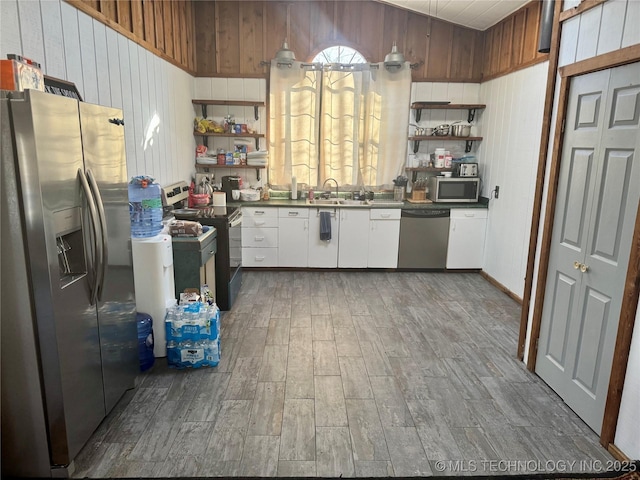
349,123
294,102
364,124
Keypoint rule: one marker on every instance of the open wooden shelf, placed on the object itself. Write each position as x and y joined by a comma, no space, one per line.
427,169
237,103
257,136
472,107
434,138
239,135
229,103
215,165
446,106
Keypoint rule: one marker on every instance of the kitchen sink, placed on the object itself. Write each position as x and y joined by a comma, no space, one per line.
343,202
325,201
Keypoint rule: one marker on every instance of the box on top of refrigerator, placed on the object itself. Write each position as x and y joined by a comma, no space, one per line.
19,73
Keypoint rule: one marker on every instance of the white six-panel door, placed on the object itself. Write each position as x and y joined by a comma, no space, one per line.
597,200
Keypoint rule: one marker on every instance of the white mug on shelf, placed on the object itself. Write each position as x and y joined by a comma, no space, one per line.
235,194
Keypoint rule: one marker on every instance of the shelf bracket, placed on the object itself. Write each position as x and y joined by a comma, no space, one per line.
416,146
257,144
414,176
467,146
204,110
472,115
418,114
255,112
258,174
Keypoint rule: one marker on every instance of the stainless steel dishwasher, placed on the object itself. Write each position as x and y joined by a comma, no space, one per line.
424,234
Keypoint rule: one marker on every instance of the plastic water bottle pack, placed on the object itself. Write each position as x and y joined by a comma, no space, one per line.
193,335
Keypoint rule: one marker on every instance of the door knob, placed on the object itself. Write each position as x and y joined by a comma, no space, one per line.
576,265
584,268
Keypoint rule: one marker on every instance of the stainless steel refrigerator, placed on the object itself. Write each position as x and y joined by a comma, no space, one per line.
69,336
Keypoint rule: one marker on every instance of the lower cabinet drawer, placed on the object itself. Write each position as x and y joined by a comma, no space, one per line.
259,257
469,213
260,237
259,217
384,214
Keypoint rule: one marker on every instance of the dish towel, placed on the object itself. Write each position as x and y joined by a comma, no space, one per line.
325,226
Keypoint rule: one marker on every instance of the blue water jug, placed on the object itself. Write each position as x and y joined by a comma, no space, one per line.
145,207
145,341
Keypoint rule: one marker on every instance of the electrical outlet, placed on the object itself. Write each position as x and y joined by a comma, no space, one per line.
497,190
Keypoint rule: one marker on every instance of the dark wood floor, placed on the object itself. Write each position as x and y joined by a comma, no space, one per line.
349,374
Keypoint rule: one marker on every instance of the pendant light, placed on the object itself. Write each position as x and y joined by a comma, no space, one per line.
285,56
394,60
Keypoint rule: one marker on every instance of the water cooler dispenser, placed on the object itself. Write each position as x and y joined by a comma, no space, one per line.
154,284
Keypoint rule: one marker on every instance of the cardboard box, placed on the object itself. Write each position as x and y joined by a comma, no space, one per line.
19,75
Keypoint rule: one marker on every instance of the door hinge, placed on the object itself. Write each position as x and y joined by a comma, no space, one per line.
564,121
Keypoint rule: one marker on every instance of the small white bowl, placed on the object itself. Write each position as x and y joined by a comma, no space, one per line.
447,174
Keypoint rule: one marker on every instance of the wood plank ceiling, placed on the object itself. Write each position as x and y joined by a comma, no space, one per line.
478,14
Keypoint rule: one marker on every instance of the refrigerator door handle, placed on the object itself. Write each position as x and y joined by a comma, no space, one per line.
97,246
103,232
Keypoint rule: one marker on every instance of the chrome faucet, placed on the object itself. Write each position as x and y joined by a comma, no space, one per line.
328,180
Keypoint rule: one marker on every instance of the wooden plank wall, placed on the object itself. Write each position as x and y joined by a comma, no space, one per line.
165,27
512,43
232,38
110,69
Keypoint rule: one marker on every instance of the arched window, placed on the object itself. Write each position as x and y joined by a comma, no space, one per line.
339,54
340,121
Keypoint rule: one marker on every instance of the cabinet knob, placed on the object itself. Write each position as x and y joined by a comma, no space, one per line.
576,265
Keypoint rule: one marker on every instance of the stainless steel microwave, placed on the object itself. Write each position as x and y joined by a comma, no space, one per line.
454,189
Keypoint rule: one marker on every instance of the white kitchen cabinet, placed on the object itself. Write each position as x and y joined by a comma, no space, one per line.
323,254
354,238
467,228
259,237
293,237
384,236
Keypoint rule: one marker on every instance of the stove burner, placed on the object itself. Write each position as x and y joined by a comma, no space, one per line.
218,212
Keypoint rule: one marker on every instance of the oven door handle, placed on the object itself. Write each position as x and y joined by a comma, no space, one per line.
237,221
